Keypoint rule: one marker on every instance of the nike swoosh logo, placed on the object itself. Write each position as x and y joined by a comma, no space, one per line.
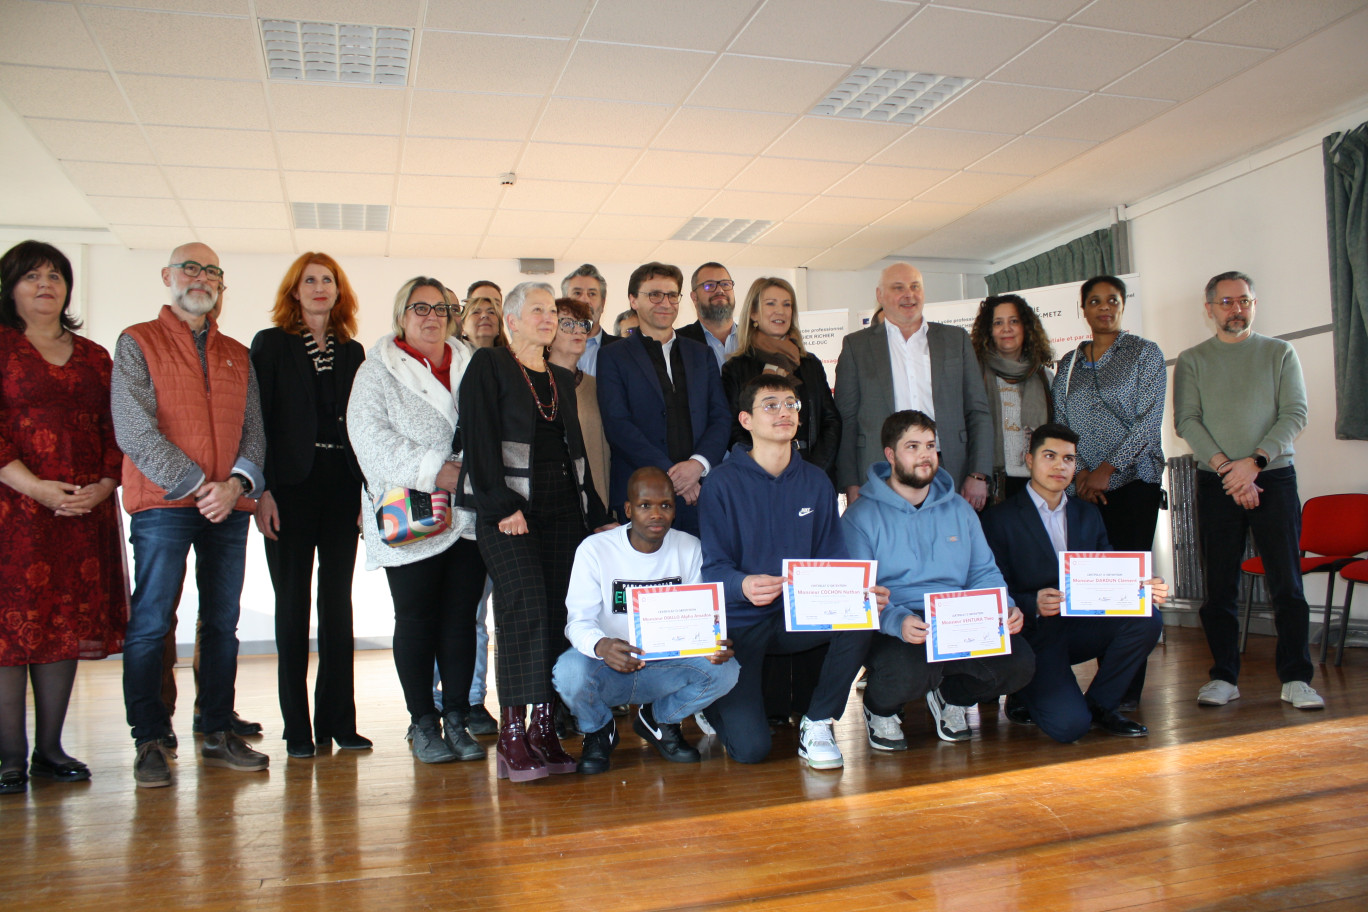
805,511
657,733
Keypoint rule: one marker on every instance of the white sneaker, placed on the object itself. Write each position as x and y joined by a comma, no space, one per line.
817,744
1302,695
885,732
703,724
951,725
1218,693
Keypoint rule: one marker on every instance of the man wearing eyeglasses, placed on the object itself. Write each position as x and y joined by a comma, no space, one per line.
1239,401
588,285
188,419
714,296
661,397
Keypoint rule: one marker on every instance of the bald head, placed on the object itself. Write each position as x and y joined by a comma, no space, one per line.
644,476
900,294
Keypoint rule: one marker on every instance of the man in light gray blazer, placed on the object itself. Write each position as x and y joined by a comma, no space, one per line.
906,362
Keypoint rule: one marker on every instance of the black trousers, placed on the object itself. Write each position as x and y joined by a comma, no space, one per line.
896,673
1130,515
435,600
317,516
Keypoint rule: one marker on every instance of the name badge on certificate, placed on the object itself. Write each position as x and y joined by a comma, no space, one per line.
1105,583
673,622
967,625
830,595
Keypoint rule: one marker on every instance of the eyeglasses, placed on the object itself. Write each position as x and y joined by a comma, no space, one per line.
423,309
710,287
1231,303
629,331
192,269
771,408
655,297
572,325
481,302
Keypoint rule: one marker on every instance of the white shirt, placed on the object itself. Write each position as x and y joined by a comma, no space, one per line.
911,362
1056,526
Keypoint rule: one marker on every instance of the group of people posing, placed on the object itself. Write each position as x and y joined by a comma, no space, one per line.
507,448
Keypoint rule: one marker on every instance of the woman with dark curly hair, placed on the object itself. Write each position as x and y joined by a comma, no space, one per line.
1015,354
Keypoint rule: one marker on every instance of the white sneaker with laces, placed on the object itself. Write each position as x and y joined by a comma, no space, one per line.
951,725
817,744
1218,693
885,732
1302,695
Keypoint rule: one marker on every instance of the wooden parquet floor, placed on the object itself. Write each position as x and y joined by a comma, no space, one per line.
1251,806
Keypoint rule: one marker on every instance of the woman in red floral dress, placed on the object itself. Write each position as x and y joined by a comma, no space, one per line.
63,586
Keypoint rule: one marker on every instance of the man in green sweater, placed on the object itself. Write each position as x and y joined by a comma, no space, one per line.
1239,401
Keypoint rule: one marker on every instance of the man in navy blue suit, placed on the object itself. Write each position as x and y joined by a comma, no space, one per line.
1026,533
661,397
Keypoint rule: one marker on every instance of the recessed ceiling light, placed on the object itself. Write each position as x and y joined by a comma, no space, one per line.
892,96
729,231
333,52
341,216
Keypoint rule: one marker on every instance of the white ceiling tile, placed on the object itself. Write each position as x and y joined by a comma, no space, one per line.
578,120
610,250
1277,23
512,248
212,148
919,215
667,201
236,214
706,25
225,183
78,94
880,237
712,130
1031,155
756,84
748,205
177,44
802,234
459,157
768,258
844,260
1040,9
972,188
108,179
926,146
1100,117
630,227
957,42
836,139
836,31
1082,58
471,115
789,175
84,141
488,63
218,7
1189,69
990,107
556,161
343,243
149,237
1174,18
623,72
887,182
403,13
447,191
337,109
181,102
843,210
46,33
317,187
251,240
513,223
552,18
337,152
554,196
446,221
687,253
123,210
428,245
685,169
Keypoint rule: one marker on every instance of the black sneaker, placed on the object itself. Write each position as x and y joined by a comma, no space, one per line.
598,747
664,737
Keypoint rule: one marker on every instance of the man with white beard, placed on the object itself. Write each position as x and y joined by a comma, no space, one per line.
187,416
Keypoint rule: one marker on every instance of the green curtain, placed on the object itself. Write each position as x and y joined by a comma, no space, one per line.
1346,216
1080,259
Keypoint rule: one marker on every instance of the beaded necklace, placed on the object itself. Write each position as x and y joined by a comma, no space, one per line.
555,395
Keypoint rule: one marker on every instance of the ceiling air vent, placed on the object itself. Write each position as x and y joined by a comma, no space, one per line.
730,231
333,52
891,96
341,216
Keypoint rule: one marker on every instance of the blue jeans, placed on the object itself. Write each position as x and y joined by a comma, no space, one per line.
162,539
478,688
675,688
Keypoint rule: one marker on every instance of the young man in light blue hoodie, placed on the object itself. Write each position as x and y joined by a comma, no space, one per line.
926,539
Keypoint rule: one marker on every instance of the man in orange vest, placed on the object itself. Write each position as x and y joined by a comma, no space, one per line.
188,418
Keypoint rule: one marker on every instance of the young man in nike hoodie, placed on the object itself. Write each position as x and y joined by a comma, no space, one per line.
762,505
926,539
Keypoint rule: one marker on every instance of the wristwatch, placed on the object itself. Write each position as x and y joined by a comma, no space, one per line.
1261,461
244,481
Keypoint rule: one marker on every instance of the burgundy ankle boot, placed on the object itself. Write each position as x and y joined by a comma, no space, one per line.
541,738
515,760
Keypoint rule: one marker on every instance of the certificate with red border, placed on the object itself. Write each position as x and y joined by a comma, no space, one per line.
971,624
1105,583
830,595
674,622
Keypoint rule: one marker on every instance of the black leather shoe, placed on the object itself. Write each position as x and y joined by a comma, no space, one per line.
15,782
598,747
170,742
300,750
352,742
480,722
666,738
1128,706
1113,723
1017,712
71,771
241,727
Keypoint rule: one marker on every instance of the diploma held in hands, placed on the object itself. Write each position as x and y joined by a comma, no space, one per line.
967,625
830,595
673,622
1104,583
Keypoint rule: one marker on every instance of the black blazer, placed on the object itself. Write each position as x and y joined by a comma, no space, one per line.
693,331
285,376
819,426
608,339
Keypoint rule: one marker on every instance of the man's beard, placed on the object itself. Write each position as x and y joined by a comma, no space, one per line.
911,480
1229,326
198,304
715,313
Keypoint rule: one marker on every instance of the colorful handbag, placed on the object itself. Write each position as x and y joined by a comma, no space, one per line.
405,515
